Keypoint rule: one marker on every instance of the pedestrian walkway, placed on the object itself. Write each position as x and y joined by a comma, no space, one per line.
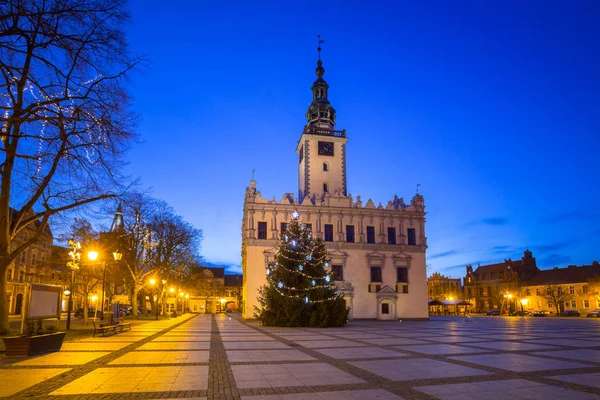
219,357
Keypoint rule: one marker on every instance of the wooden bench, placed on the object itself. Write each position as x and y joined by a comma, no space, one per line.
120,323
104,328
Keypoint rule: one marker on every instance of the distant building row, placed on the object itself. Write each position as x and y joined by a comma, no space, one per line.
520,284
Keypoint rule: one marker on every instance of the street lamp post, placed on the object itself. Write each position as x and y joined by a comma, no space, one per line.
155,297
93,256
73,264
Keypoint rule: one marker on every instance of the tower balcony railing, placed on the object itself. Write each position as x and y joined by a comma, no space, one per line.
314,130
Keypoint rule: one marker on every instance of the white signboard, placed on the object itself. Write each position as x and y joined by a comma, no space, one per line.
44,301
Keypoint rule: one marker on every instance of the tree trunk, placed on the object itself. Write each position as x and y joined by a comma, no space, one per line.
134,300
4,301
85,303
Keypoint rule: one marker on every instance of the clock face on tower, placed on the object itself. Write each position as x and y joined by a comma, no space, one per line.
326,148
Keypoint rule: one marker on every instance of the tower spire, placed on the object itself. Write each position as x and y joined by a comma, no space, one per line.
319,46
320,113
117,224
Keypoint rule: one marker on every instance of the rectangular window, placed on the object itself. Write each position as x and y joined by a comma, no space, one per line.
385,308
370,234
338,272
33,259
391,235
412,237
328,233
308,227
584,289
350,233
469,292
527,292
573,304
586,304
402,275
571,289
483,277
481,291
283,228
262,230
538,292
405,289
539,304
375,274
501,275
492,275
560,290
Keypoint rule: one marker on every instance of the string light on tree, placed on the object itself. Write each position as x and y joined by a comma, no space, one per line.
298,291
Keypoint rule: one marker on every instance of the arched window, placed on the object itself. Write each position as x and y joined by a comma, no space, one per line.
325,188
325,167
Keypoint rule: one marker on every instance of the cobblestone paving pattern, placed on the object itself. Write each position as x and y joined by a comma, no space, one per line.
220,357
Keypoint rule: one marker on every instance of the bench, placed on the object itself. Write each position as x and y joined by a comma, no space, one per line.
120,323
104,328
111,325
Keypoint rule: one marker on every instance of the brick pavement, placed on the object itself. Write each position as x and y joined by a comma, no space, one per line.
219,357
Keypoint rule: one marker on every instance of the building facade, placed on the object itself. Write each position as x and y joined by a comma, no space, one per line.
376,252
33,265
571,288
495,285
444,288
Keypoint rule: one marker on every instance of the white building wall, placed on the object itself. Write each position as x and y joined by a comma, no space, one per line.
357,258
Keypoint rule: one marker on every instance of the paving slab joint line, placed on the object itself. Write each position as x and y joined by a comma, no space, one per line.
221,382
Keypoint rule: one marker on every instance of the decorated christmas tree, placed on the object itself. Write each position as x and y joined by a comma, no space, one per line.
299,290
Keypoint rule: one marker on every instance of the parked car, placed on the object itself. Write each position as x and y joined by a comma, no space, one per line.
595,313
493,312
519,313
229,310
127,310
540,313
570,313
91,313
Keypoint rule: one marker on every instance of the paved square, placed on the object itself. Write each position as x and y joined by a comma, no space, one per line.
348,353
215,356
64,358
592,380
441,349
138,379
375,394
267,355
16,380
503,390
288,375
162,357
519,362
416,368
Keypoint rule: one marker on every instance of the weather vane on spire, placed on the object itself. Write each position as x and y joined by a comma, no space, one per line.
319,46
418,184
253,171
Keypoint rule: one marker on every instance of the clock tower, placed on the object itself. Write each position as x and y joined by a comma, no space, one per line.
321,149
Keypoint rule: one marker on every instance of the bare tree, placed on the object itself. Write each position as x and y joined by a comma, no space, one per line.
160,243
64,113
557,296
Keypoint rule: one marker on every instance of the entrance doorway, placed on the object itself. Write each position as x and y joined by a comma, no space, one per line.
19,303
386,310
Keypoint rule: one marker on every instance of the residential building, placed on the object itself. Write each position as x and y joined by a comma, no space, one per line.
212,291
573,288
30,266
376,251
442,287
493,286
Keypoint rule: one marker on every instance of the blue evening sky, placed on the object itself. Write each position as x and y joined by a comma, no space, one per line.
493,107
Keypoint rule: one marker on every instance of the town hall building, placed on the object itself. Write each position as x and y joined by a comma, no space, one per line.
376,252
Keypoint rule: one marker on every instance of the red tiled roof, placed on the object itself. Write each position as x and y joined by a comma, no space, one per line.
570,274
